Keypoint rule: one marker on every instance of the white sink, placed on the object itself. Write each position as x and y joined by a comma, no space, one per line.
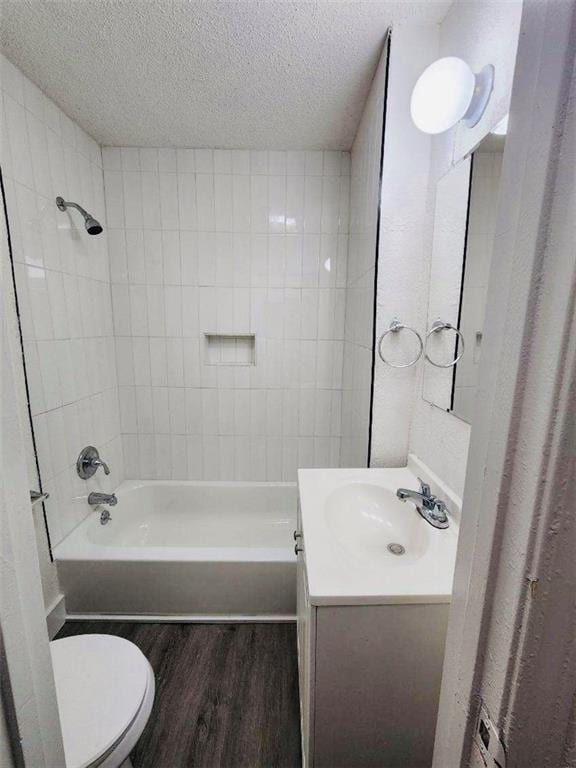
363,545
375,527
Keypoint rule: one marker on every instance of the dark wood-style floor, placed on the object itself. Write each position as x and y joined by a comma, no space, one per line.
226,694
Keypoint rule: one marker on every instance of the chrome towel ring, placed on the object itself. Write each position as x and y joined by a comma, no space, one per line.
437,327
395,327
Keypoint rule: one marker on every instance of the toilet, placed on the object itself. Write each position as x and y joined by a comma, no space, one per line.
105,690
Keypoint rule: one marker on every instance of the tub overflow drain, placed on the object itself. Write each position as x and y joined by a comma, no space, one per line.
396,549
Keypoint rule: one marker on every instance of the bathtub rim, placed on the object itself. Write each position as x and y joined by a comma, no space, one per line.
92,552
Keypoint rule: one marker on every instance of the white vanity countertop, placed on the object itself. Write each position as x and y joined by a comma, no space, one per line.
349,517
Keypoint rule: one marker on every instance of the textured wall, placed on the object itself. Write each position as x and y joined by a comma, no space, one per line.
484,195
512,644
364,204
448,245
230,242
413,162
64,297
404,239
480,33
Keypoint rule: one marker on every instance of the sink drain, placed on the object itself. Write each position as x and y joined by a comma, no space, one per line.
396,549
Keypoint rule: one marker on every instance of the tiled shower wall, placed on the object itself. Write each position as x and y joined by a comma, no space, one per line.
200,242
63,287
227,242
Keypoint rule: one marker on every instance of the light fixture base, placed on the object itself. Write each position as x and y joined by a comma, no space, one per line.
482,92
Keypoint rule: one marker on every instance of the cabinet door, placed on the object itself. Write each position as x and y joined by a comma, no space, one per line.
377,684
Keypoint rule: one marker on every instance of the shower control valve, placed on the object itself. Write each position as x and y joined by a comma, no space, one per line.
88,462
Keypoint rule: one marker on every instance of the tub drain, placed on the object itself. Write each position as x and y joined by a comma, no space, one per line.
396,549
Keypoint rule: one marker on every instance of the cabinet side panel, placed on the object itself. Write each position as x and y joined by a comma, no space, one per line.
306,653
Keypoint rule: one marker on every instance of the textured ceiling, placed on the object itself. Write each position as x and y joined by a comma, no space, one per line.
218,74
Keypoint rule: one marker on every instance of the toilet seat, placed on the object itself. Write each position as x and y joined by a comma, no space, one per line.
105,690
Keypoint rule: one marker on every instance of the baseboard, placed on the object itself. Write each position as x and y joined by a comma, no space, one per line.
186,618
56,616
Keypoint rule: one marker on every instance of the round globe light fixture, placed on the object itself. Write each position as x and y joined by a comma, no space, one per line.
447,92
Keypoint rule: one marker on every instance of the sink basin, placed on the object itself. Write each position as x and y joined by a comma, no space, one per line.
363,546
375,527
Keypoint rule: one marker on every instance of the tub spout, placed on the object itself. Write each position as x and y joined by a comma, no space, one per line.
96,498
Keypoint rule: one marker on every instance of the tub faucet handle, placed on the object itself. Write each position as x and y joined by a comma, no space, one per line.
88,462
100,463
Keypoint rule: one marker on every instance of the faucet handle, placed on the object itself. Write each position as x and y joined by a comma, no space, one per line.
440,511
100,463
88,462
424,488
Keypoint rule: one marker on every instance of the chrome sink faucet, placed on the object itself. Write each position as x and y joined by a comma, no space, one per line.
432,509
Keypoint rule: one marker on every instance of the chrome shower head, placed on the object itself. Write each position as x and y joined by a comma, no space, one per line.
93,227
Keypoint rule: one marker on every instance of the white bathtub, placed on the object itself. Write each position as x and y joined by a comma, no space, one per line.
196,550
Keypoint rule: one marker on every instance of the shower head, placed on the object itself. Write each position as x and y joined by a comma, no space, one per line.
93,227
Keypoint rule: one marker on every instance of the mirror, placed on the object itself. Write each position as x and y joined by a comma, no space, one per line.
464,227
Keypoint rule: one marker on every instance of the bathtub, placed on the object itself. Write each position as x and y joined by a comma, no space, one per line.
187,551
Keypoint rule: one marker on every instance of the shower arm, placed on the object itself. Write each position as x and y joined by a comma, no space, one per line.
63,204
92,225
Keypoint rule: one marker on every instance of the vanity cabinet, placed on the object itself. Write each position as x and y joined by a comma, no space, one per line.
369,681
374,583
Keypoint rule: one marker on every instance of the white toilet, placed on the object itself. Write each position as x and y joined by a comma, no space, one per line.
105,689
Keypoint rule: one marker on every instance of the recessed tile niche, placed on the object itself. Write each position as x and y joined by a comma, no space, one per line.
229,349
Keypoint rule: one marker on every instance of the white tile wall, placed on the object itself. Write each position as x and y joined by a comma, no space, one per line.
228,242
197,241
63,286
364,205
26,655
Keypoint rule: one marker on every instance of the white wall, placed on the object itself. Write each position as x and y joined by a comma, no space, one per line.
480,32
404,240
448,246
510,641
481,230
230,242
364,205
62,278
